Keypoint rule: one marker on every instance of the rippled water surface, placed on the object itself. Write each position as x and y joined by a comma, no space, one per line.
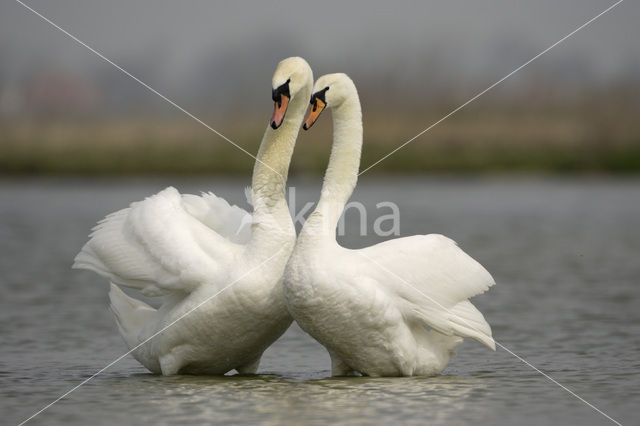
565,254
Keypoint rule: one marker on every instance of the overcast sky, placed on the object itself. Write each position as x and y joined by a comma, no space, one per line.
230,46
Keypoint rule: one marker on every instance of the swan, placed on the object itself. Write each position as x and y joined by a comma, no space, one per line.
398,308
220,282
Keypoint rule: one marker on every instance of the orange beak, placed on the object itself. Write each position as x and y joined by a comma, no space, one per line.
314,113
279,111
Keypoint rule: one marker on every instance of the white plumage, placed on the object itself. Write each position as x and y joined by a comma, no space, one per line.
371,307
166,243
434,277
217,268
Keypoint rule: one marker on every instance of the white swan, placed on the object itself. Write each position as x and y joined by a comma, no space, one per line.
369,307
221,282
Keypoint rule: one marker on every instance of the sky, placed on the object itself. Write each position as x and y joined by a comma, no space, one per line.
212,54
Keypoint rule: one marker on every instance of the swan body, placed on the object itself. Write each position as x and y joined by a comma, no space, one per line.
398,308
217,268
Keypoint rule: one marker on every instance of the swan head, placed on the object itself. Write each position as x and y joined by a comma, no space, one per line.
330,91
291,77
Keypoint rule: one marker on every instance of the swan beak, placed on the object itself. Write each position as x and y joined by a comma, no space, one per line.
279,111
317,107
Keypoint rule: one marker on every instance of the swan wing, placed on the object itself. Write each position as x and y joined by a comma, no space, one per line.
229,221
166,243
432,278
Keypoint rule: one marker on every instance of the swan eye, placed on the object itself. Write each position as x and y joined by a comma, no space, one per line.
320,94
283,89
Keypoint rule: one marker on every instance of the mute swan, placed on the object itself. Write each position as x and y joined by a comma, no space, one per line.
369,307
189,249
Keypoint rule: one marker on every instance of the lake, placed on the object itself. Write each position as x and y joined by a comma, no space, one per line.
565,253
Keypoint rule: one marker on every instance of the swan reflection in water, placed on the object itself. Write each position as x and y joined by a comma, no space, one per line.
274,399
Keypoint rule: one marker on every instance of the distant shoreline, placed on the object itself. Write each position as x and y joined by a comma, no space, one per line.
476,142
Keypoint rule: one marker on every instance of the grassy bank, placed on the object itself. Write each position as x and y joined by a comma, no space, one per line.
473,142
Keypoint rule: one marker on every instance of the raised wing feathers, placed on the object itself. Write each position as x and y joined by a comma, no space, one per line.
165,243
434,278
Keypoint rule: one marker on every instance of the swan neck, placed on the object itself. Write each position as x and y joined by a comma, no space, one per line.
342,172
274,156
271,215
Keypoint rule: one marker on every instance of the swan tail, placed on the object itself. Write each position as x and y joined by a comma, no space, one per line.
467,321
131,315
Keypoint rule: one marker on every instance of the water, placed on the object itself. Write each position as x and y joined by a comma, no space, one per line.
565,254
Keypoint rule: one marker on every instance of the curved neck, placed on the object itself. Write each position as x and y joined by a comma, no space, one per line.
270,211
342,172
